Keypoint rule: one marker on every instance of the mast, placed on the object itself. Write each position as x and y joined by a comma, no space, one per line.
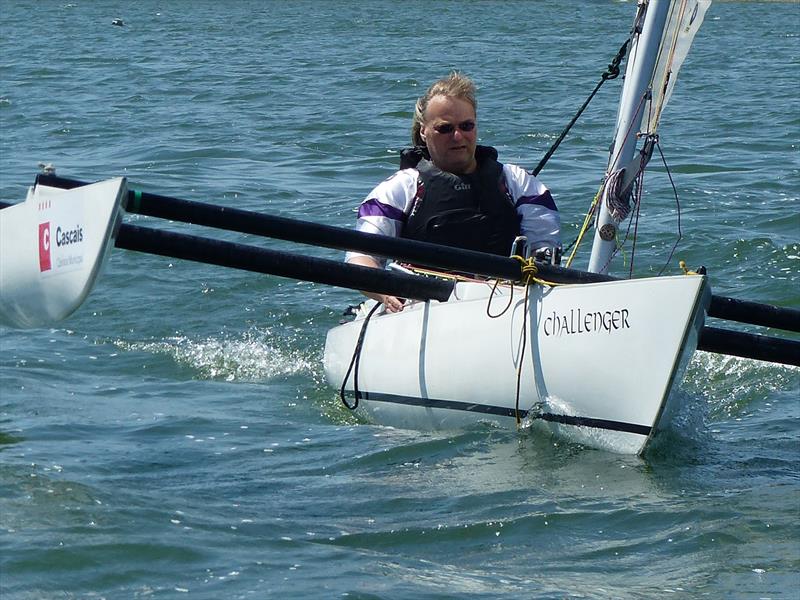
645,43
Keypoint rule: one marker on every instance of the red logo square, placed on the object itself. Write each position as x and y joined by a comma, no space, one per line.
44,246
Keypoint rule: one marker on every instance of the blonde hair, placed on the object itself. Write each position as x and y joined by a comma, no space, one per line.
454,85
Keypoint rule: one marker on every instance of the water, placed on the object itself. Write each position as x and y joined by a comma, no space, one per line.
175,437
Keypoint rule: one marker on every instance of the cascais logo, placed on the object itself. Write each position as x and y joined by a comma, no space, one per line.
44,246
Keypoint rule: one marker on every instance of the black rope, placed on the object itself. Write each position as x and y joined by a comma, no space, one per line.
612,72
491,297
355,362
677,204
638,201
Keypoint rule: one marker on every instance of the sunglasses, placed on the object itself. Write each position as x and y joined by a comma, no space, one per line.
448,128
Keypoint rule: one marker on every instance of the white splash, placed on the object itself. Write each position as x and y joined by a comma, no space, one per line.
249,357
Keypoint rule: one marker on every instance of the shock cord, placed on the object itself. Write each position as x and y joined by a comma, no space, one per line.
355,361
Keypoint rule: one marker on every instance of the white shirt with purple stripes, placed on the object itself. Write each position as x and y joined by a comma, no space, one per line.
388,205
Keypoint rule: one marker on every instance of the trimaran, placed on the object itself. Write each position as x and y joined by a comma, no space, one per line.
484,337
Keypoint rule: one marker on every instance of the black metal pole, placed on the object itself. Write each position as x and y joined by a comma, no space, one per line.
336,273
754,313
748,345
339,238
282,264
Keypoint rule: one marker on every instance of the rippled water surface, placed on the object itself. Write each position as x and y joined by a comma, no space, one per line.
175,437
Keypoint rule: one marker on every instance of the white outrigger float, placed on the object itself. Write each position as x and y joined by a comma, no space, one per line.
52,248
593,358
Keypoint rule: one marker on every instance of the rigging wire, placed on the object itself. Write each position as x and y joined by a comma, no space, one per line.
611,72
638,205
678,208
619,206
602,194
636,194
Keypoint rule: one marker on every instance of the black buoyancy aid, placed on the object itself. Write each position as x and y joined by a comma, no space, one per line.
472,211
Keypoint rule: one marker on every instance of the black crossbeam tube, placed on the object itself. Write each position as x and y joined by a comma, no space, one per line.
336,273
339,238
227,254
754,313
749,345
419,253
282,264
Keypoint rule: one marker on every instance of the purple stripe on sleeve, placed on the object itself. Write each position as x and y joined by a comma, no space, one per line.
374,208
545,200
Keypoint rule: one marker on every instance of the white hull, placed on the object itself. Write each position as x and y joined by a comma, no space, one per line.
599,362
52,248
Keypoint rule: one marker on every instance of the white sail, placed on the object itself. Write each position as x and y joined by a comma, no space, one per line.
683,22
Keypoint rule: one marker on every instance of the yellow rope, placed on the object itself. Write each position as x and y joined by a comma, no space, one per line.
685,269
529,269
529,272
442,274
586,222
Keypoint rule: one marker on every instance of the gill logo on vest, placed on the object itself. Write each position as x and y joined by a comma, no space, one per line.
461,187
